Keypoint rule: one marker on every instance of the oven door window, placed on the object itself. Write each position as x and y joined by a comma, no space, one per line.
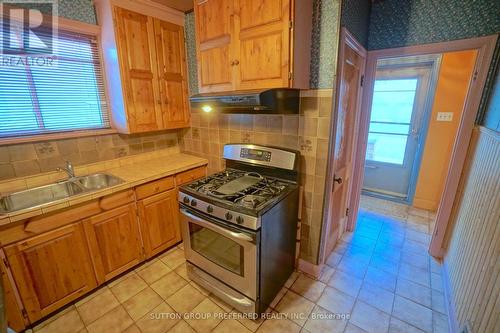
217,248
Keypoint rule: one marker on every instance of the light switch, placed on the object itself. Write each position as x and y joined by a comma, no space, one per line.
445,116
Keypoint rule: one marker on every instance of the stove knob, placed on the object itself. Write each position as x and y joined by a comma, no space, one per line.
186,200
193,203
239,220
229,216
210,209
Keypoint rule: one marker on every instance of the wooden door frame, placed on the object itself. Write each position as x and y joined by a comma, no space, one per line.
346,38
485,47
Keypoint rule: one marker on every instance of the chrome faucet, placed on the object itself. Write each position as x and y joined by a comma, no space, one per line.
68,169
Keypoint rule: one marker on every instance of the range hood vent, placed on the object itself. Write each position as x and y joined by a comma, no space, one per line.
269,101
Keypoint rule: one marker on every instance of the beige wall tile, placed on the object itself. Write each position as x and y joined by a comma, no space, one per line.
7,171
22,152
275,123
290,124
4,154
260,123
46,149
309,106
325,106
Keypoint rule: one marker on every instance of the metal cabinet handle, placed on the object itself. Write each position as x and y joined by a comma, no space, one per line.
228,233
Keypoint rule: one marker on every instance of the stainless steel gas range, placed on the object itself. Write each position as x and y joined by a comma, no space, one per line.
239,226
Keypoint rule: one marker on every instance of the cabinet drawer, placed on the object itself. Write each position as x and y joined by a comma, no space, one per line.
190,175
153,188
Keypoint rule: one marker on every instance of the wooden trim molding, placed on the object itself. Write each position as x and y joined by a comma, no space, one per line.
346,40
485,46
309,268
149,8
55,136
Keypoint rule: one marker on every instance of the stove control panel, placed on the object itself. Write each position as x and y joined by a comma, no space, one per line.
255,154
223,214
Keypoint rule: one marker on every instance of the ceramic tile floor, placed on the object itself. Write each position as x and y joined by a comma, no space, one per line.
378,279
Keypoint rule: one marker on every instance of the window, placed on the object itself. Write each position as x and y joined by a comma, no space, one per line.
390,120
67,96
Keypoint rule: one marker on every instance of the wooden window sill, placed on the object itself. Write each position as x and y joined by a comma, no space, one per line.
56,136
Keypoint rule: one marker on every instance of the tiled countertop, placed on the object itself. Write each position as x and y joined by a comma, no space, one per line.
134,170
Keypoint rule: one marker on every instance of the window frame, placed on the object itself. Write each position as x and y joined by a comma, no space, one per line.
93,30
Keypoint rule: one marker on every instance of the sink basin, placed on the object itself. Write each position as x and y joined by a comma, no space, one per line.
38,196
98,181
49,193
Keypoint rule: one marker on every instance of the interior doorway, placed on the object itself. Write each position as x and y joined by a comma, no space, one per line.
435,192
402,100
449,128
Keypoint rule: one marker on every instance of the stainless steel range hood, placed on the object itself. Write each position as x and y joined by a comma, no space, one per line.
277,100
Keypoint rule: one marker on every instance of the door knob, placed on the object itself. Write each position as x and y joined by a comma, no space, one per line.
338,180
236,62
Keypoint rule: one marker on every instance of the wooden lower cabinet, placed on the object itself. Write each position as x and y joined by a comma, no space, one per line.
51,269
14,315
159,221
114,241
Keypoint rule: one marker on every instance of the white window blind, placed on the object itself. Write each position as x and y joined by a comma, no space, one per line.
67,96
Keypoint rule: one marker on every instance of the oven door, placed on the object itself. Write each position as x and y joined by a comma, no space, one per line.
225,252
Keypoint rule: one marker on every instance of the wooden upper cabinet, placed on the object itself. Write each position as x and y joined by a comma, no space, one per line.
114,241
159,222
172,74
137,54
214,49
262,42
249,44
147,82
51,269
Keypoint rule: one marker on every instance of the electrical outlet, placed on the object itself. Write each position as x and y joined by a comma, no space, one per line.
444,116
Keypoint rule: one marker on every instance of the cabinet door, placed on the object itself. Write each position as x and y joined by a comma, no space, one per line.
172,71
213,41
12,305
51,269
262,42
137,55
159,222
114,241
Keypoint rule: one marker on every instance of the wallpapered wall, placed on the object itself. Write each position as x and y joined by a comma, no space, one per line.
79,10
355,16
395,23
324,43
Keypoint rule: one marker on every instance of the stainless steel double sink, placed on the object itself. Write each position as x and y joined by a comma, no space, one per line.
50,193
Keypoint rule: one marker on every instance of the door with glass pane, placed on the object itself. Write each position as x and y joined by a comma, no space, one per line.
396,125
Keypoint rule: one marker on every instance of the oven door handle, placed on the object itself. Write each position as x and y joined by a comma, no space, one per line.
228,233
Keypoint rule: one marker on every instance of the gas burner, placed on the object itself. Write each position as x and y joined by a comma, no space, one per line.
251,189
206,188
251,201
